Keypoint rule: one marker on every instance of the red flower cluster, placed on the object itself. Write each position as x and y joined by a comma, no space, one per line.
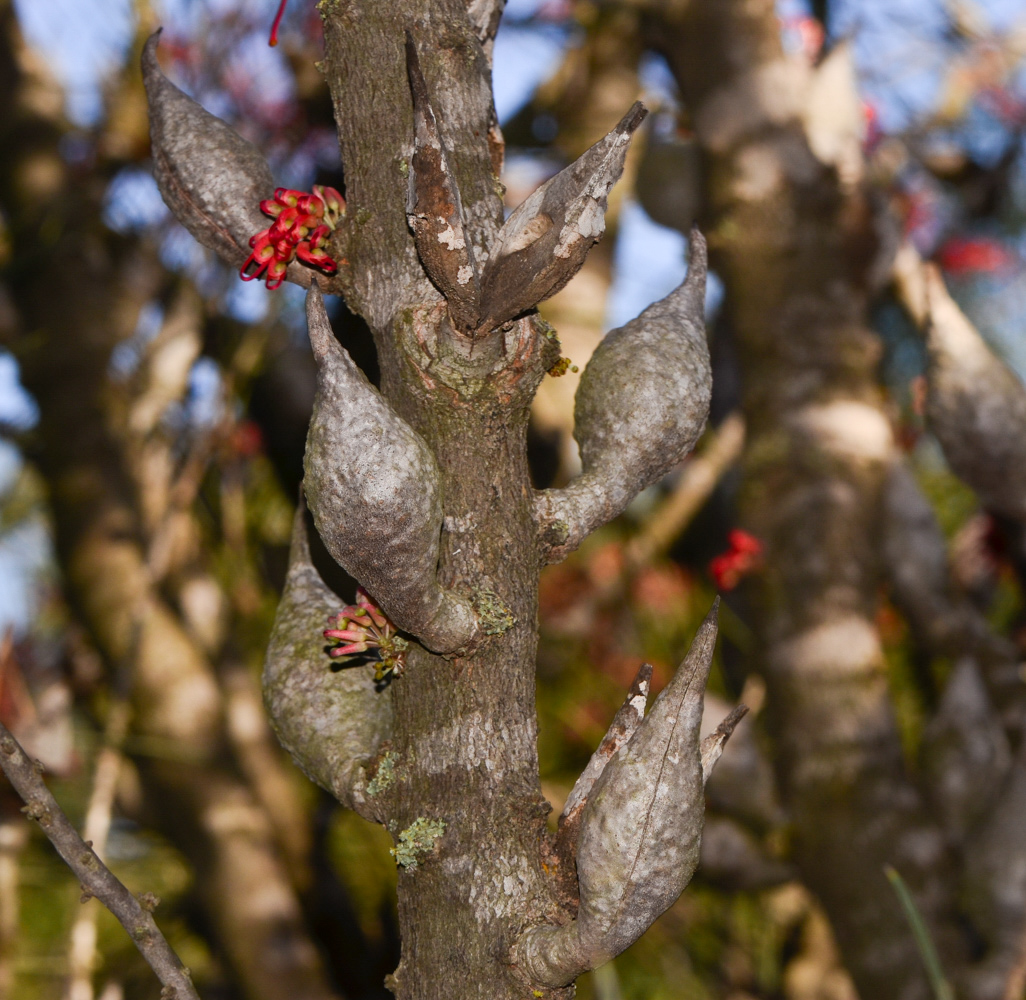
743,556
362,627
302,223
961,256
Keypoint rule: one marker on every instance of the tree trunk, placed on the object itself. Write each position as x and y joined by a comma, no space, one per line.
792,234
465,744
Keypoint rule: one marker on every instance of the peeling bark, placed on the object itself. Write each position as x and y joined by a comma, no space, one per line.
435,209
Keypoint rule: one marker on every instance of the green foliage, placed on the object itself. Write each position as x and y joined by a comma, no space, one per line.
953,502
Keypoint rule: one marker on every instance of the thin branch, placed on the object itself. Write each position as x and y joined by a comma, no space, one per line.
96,878
82,950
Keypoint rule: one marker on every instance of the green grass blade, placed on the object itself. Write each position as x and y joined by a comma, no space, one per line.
931,960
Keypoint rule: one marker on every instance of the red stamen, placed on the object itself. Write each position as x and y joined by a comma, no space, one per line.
277,21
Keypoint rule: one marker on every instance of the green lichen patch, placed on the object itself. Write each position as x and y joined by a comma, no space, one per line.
546,329
417,841
495,617
384,776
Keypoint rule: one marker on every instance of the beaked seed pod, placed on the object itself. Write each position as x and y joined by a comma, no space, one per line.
544,242
640,833
641,406
372,486
209,176
975,405
331,721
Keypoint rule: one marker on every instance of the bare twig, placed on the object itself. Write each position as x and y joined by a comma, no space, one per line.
82,950
96,878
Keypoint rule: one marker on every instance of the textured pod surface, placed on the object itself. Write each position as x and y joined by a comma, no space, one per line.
975,405
372,486
624,725
641,406
915,555
330,720
544,242
915,552
209,176
965,753
994,882
640,832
